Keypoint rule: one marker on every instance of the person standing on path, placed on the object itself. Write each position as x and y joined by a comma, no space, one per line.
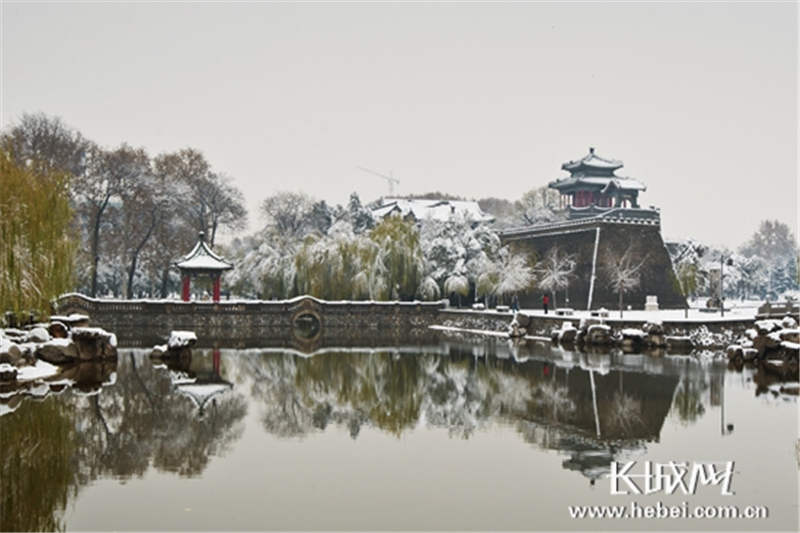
545,302
515,303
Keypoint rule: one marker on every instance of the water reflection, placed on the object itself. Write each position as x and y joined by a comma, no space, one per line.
100,427
463,393
121,420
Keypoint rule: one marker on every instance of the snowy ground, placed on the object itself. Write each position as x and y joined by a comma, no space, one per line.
739,310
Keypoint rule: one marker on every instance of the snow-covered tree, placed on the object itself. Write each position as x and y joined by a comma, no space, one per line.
623,272
686,277
554,271
359,216
775,244
263,268
428,289
538,206
321,217
512,272
457,247
457,284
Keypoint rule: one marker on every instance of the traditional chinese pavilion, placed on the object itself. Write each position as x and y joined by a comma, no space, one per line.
593,184
201,261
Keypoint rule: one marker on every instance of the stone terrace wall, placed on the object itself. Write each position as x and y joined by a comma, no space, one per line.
493,321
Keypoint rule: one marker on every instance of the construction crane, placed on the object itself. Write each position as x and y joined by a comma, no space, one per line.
390,178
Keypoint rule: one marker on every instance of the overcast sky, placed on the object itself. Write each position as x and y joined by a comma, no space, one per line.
698,100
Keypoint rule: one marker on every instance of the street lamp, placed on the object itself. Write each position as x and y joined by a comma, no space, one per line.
722,261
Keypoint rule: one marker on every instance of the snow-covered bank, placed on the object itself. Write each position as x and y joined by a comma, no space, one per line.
34,353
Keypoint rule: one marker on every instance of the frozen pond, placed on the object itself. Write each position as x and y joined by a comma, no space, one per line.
445,436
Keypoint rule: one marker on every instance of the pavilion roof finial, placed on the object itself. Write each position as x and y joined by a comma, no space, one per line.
591,149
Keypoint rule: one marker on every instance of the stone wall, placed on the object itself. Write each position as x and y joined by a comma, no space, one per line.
260,323
657,276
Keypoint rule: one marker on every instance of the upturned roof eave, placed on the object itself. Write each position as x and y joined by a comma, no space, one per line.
201,252
623,184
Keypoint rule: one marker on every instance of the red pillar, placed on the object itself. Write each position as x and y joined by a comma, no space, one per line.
216,289
215,360
186,288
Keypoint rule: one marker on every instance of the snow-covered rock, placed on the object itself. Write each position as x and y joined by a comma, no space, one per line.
180,339
58,329
94,343
72,320
633,332
38,335
57,351
598,334
767,326
159,350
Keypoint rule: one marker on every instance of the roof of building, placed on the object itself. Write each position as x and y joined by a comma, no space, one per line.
202,258
432,209
607,182
591,162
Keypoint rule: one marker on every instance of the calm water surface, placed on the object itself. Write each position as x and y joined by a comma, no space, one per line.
447,436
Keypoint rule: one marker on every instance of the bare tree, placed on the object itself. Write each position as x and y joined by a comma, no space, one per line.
225,206
623,272
107,173
287,214
147,201
45,144
537,206
555,271
211,201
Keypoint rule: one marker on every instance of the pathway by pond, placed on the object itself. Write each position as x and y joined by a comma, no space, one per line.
433,436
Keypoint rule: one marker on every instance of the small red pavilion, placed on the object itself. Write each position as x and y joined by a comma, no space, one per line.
201,261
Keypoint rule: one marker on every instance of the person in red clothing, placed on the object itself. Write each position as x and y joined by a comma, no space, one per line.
545,302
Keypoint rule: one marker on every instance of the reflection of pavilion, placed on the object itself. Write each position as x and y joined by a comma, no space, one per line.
204,386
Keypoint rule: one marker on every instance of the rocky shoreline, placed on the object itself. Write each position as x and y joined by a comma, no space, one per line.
42,350
775,344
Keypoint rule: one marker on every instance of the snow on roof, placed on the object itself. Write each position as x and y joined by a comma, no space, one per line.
619,182
593,160
442,210
202,258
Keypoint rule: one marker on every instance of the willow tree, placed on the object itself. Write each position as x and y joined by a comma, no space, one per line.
36,254
399,259
335,266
